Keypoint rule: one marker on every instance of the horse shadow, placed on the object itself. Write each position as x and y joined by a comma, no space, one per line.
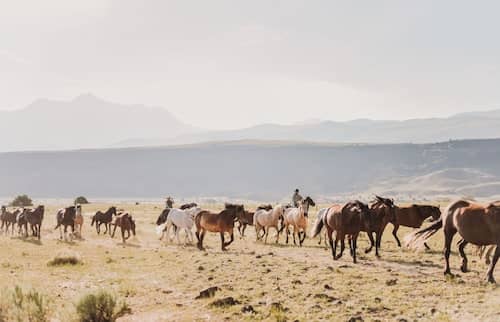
131,245
67,242
413,263
29,240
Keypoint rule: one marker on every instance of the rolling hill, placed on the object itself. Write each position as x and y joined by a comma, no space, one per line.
267,171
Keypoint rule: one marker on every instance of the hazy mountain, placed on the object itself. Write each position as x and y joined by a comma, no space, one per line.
465,126
84,122
258,170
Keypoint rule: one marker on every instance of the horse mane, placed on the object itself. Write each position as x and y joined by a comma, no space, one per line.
228,206
265,207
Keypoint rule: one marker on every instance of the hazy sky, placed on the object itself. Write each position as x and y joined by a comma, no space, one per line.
227,64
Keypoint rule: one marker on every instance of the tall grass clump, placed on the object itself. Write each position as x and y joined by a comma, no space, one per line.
18,305
65,258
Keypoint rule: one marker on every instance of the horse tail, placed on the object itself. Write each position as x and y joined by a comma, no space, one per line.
93,221
197,220
160,228
418,238
317,227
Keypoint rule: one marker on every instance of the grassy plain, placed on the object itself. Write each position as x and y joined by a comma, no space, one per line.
274,282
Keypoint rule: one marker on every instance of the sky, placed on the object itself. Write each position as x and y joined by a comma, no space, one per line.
230,64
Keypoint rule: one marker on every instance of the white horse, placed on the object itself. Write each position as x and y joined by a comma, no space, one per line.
297,217
265,219
320,217
182,219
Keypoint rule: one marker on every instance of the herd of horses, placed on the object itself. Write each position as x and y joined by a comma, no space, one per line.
475,223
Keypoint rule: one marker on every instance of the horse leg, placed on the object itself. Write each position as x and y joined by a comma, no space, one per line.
303,237
378,239
243,229
277,234
354,245
39,229
395,234
487,256
114,230
294,232
341,237
461,247
448,238
370,237
98,227
223,245
427,246
286,232
492,265
267,233
231,239
200,240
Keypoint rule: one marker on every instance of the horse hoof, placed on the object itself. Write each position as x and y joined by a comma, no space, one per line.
464,269
491,280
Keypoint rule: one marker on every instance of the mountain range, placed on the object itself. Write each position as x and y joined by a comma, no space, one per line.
90,122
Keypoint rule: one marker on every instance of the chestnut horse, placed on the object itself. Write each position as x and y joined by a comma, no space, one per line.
126,224
413,217
475,223
103,218
217,223
346,220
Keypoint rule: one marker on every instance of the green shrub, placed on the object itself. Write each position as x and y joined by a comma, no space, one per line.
100,307
18,305
22,201
81,200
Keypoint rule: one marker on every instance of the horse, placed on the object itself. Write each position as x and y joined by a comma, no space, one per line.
188,205
476,224
247,219
346,220
126,224
34,218
382,211
413,217
265,219
103,218
9,219
217,222
297,217
182,219
320,217
66,217
79,221
22,222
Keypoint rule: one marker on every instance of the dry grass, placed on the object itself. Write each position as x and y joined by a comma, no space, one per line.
267,282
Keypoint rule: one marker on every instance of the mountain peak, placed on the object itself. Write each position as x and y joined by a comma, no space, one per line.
87,97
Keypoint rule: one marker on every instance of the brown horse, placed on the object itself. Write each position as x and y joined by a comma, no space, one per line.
105,218
413,217
22,222
126,224
347,221
382,211
247,218
218,223
475,223
9,219
34,218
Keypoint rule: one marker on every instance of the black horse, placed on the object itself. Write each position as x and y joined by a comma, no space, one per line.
34,218
66,217
105,218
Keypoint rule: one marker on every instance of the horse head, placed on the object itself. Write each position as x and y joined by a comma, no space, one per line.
305,205
4,209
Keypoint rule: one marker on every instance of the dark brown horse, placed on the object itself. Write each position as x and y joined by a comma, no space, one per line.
247,218
66,217
218,223
382,211
22,222
475,223
34,218
346,221
126,224
413,217
9,219
105,218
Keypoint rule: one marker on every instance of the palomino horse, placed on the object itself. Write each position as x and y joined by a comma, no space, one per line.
9,219
265,219
217,223
182,219
126,224
382,211
297,218
79,220
105,218
347,221
413,217
66,217
247,218
34,218
475,223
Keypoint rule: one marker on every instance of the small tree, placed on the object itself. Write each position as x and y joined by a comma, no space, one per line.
81,200
22,201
